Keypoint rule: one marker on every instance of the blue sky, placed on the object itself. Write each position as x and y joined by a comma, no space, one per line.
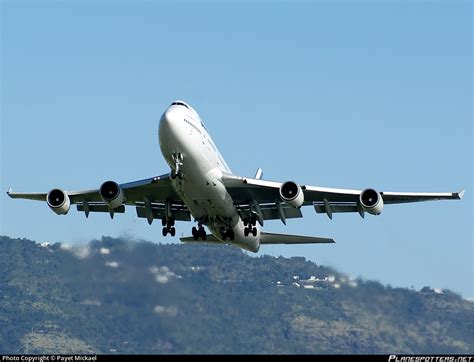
338,94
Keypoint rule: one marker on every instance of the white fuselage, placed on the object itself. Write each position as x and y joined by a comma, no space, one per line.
181,131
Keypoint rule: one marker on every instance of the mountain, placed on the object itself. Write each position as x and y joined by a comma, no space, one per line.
119,296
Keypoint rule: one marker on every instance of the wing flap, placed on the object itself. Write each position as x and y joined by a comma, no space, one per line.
101,208
270,211
159,213
335,208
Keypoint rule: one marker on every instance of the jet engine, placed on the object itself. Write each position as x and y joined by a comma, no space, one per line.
112,194
371,201
58,201
292,194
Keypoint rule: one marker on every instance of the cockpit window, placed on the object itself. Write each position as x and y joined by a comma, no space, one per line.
179,104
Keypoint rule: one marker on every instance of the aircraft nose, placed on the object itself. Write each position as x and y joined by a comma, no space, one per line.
169,120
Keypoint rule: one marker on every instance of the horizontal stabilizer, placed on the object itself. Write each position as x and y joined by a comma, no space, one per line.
271,238
209,239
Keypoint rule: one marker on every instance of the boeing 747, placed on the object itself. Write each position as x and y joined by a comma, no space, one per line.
202,187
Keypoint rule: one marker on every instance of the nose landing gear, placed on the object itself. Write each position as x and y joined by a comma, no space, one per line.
178,162
227,233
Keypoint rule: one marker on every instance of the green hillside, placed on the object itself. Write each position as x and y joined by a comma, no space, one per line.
118,296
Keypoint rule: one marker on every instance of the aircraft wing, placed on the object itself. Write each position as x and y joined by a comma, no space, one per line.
255,194
151,197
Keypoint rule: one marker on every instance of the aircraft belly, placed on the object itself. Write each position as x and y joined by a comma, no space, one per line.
202,189
250,242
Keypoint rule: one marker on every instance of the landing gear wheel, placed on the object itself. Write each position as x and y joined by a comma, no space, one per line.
173,174
254,231
246,231
198,233
173,231
163,222
202,233
165,231
254,221
223,234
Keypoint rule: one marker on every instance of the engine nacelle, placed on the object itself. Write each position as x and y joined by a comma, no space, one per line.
112,194
371,201
58,201
292,194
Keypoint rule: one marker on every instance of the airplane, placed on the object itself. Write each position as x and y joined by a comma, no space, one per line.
201,185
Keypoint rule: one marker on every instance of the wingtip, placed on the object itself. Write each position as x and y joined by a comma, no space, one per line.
461,193
10,190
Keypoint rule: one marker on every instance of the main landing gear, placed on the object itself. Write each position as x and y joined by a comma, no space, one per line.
199,232
168,226
178,162
227,233
250,226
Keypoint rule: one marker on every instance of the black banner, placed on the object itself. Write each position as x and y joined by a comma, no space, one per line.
103,357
